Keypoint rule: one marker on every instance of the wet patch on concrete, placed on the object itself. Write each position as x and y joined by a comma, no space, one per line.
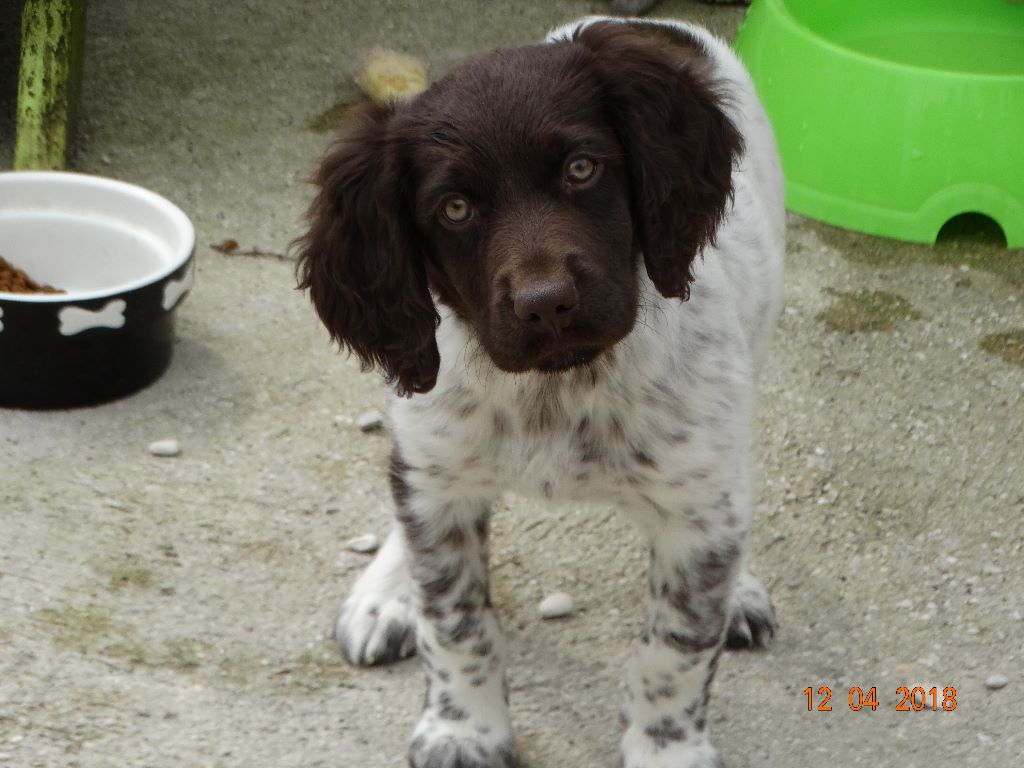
1008,346
863,311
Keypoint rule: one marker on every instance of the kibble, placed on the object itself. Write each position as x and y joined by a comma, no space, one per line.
13,280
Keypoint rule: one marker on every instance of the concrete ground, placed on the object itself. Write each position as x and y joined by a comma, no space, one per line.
177,611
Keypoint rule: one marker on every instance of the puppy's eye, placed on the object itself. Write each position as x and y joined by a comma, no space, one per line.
580,169
457,209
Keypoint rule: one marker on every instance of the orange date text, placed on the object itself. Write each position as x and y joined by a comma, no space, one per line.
908,699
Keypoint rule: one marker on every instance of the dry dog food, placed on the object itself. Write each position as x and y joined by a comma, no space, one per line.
13,280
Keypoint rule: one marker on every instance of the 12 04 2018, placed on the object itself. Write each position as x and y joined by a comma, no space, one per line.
917,698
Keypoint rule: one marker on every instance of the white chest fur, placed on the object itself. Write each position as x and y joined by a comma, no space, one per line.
655,412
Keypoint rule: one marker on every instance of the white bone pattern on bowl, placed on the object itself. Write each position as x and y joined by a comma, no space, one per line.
175,289
75,319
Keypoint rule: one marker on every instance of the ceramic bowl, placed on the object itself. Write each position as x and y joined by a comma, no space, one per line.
121,254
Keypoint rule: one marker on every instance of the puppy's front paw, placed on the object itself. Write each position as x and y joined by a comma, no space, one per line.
371,631
752,623
440,741
667,744
377,623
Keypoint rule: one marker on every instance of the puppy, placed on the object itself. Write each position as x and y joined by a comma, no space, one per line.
567,260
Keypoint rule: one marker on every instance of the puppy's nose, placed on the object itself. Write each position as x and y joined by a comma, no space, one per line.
547,305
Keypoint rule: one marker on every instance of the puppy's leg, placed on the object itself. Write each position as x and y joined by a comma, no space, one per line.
670,672
377,622
465,721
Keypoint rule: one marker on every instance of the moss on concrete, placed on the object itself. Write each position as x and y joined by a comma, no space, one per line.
77,629
863,310
1008,346
313,669
975,249
93,630
240,668
319,667
183,654
125,570
334,117
130,575
265,551
339,471
130,650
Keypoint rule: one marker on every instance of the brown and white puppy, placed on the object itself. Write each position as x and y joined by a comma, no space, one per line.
568,258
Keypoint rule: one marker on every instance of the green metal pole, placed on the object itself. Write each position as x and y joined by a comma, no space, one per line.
52,43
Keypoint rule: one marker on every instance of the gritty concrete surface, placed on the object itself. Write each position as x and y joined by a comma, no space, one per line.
176,612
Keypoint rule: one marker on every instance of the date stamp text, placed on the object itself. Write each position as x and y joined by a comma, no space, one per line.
907,699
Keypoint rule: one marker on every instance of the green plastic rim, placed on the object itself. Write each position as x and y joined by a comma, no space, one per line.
893,118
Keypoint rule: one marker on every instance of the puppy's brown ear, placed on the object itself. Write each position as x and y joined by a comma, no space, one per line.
361,259
679,142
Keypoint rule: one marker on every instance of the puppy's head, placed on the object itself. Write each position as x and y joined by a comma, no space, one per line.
523,189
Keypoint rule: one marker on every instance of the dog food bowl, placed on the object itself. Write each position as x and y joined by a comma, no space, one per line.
123,256
895,116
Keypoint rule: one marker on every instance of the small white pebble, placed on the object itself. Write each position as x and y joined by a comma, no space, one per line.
370,421
365,544
995,682
165,448
555,606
